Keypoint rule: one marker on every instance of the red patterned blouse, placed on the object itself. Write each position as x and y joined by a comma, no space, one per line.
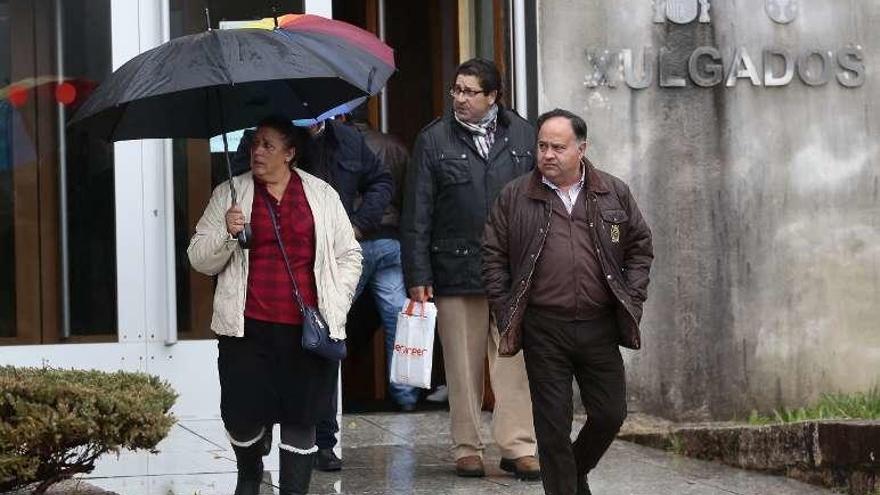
269,290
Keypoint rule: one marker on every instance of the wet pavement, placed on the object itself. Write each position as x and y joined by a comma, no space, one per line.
409,454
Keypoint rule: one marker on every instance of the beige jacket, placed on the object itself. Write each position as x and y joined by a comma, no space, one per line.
213,251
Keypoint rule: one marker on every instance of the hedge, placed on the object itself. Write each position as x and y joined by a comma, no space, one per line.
56,423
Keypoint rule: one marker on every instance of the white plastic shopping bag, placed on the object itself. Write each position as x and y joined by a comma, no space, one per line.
414,344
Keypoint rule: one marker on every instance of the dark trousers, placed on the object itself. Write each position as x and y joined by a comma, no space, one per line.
328,427
555,351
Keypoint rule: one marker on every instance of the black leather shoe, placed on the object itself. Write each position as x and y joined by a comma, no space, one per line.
406,407
326,460
583,486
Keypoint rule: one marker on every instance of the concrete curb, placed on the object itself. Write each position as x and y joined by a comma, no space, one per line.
834,454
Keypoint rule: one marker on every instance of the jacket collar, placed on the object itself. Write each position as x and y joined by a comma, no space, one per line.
538,191
595,182
501,131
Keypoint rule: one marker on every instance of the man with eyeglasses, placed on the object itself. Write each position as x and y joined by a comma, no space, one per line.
459,165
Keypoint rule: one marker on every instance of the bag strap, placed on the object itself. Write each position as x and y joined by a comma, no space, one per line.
277,229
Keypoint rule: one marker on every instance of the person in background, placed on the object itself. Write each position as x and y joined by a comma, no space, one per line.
339,154
266,377
383,273
459,165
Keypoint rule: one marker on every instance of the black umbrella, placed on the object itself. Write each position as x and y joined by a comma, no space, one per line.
206,84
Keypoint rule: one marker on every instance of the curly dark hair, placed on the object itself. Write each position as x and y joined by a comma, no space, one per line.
486,72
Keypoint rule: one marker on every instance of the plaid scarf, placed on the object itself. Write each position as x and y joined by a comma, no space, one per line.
483,131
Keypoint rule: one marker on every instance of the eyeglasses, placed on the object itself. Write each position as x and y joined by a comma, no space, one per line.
466,92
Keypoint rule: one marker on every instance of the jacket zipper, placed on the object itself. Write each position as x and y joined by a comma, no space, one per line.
531,273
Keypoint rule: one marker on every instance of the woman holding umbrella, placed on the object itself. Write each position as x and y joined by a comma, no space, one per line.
266,376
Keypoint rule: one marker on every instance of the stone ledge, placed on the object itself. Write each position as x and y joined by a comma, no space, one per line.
835,454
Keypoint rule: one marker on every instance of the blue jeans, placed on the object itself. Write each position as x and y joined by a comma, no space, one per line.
383,274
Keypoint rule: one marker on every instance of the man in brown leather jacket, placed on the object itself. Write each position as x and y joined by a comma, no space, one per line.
566,256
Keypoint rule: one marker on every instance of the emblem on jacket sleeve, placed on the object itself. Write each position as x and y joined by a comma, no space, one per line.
615,233
781,11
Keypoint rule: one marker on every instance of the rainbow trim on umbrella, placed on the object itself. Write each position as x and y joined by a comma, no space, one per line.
310,23
353,35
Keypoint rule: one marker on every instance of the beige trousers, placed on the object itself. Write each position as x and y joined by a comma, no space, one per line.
469,335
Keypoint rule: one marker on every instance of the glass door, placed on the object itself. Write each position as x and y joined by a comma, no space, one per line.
57,241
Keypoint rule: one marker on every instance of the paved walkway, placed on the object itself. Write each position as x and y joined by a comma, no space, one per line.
409,454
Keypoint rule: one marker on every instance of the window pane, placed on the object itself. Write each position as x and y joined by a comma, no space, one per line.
7,239
7,234
86,42
485,28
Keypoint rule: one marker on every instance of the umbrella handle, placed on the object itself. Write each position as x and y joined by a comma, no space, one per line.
244,237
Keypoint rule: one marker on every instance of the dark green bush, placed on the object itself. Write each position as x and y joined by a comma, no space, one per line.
57,423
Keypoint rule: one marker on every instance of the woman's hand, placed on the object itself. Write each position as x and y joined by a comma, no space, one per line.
234,220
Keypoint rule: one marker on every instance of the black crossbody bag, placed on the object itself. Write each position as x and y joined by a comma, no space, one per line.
315,331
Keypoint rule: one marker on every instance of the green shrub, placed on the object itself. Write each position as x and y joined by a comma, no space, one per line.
57,423
830,406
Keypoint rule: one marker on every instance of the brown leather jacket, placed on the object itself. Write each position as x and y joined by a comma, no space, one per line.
393,154
513,242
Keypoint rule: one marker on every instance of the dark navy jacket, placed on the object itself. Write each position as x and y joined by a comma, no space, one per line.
341,157
449,191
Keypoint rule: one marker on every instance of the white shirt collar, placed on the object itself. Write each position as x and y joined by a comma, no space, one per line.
579,184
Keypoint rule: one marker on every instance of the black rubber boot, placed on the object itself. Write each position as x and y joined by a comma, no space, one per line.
249,461
583,487
267,441
295,473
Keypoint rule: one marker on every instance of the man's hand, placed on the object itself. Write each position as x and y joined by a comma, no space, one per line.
234,220
421,293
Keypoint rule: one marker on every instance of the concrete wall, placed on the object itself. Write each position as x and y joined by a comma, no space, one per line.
763,200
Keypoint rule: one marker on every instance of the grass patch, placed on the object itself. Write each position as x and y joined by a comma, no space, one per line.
676,446
830,406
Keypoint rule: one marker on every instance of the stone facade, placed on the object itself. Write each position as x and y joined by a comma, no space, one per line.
762,187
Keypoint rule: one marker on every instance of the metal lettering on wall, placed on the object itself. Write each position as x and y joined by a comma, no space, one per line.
781,11
709,66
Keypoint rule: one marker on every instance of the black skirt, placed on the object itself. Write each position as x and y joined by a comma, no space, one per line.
266,377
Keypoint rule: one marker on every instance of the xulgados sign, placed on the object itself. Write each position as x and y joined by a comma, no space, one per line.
709,66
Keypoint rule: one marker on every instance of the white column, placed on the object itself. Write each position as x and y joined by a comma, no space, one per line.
520,102
170,334
320,7
129,192
144,197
